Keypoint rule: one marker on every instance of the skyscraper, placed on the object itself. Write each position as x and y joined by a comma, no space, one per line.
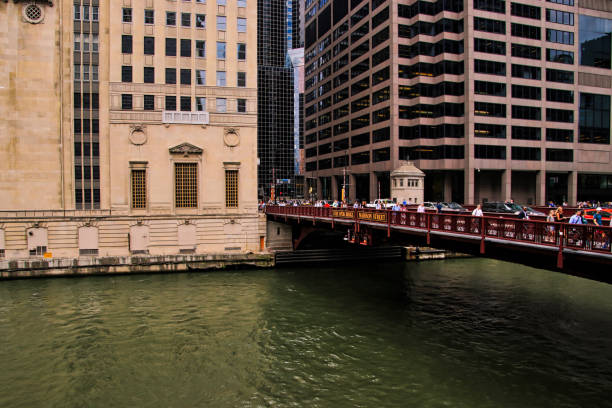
274,101
492,99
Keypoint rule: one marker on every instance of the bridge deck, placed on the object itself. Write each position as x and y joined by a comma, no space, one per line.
590,240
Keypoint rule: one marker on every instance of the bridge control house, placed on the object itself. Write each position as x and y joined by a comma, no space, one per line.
128,127
492,99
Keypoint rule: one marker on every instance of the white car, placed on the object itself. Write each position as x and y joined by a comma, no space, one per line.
384,203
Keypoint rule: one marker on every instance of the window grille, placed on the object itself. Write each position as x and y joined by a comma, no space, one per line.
139,189
231,188
186,185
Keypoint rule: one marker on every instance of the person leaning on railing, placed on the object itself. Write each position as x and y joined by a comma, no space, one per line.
477,211
559,214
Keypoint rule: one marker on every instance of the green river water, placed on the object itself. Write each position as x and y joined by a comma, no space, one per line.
457,333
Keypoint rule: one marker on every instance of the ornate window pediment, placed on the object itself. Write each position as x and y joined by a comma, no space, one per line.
185,149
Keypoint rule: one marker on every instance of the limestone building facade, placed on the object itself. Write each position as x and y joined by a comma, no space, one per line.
128,127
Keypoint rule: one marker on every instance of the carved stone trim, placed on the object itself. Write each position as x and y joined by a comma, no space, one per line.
138,134
231,137
186,149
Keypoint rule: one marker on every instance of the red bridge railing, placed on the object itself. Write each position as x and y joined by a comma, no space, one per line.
585,237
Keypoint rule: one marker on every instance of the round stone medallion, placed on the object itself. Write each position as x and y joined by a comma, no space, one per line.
138,137
231,139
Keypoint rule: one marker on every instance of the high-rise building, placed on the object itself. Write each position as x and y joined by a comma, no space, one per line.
274,102
492,99
142,111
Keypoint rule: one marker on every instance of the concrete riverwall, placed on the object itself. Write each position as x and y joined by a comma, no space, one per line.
32,268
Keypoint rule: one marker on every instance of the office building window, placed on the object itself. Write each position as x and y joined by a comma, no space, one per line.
149,75
126,73
185,76
560,17
489,88
221,2
526,153
200,77
171,47
490,130
221,23
242,3
497,110
525,31
242,25
559,36
186,19
200,21
200,49
526,92
490,67
149,102
149,17
185,48
559,95
126,15
171,75
523,10
185,185
241,79
221,80
526,72
526,112
564,2
221,105
77,12
126,101
489,152
231,188
126,44
526,51
594,120
560,56
200,103
595,38
560,155
170,18
170,102
495,6
185,103
220,50
149,45
241,105
139,188
85,72
557,75
490,46
241,51
526,133
560,135
489,26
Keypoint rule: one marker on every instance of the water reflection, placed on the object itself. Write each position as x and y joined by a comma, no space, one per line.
464,333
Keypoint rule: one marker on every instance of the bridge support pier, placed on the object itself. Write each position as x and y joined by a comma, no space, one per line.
279,236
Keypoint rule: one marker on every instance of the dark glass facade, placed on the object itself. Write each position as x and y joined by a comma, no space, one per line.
274,101
86,129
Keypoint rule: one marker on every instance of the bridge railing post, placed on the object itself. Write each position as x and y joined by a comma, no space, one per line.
560,254
482,234
428,228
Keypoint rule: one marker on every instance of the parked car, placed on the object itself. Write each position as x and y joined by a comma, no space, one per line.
430,205
534,213
453,206
605,216
500,207
384,203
